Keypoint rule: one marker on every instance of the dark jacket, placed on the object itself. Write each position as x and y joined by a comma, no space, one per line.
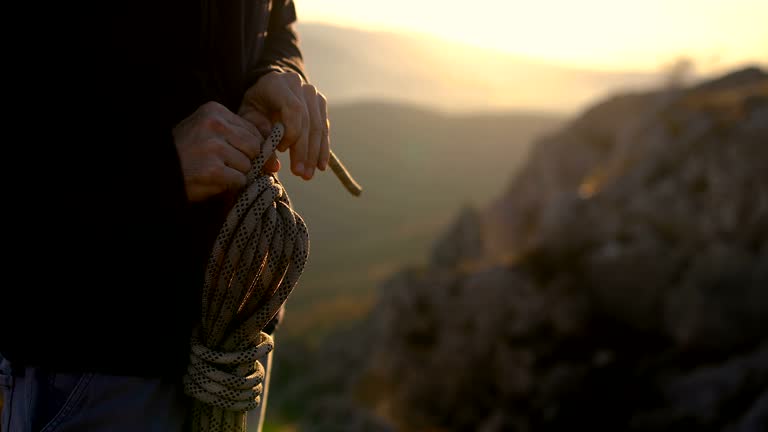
104,255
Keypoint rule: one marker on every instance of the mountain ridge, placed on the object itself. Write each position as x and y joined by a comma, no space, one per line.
351,64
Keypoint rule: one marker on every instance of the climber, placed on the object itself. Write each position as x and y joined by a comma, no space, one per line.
136,123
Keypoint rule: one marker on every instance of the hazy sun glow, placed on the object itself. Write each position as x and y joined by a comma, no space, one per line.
608,34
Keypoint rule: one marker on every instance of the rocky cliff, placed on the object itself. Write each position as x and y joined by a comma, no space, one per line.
619,283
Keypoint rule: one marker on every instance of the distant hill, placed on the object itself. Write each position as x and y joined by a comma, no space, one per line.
350,65
418,168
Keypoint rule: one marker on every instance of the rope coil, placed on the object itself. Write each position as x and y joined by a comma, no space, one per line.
257,258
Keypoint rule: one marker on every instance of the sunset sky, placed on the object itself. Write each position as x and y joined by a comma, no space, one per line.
600,34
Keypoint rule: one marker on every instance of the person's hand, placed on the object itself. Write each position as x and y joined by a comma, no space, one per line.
302,110
262,123
215,147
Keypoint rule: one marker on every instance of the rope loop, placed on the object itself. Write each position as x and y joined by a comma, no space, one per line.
232,381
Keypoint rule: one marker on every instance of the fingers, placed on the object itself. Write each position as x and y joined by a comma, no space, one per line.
227,178
315,130
262,123
219,179
319,144
215,149
304,113
242,135
232,156
299,148
281,92
317,147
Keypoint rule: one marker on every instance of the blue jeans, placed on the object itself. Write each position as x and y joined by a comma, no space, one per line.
37,400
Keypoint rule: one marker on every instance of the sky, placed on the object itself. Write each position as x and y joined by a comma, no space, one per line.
596,34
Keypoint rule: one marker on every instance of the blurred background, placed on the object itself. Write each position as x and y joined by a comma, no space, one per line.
564,221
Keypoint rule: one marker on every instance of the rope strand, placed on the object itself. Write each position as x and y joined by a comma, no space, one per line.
343,175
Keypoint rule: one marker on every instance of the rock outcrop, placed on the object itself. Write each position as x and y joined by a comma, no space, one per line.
620,283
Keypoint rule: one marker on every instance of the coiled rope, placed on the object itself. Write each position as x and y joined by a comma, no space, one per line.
257,258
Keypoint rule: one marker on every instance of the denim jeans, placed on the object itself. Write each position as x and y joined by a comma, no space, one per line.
37,400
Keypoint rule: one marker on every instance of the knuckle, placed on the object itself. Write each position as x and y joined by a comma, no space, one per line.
214,146
214,123
293,78
211,106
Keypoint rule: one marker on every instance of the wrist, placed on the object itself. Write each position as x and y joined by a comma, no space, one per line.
253,76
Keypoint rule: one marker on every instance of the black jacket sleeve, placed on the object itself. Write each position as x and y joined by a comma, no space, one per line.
281,50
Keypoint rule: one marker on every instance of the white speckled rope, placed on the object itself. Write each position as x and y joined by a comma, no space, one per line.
256,261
